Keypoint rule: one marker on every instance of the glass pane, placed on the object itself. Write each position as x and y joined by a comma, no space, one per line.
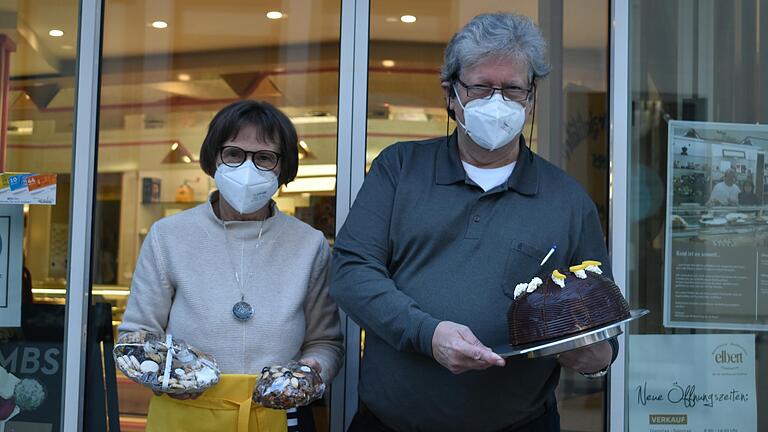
37,53
168,67
696,209
406,103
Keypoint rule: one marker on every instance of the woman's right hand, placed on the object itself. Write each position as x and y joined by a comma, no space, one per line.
180,396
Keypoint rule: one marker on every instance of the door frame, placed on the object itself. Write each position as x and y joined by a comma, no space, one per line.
618,193
81,207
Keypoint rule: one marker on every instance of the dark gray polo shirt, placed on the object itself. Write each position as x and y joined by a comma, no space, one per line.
422,244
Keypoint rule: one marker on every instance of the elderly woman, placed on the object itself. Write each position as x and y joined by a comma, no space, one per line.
439,235
237,278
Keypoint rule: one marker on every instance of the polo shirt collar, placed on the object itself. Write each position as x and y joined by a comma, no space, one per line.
449,170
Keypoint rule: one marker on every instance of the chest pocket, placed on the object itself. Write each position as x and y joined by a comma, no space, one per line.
523,263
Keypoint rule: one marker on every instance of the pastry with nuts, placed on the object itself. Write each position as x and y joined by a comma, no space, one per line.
165,364
289,386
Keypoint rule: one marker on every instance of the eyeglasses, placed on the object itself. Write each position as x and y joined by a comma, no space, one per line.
265,160
516,94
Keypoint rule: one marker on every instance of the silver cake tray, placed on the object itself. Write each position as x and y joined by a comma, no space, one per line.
570,342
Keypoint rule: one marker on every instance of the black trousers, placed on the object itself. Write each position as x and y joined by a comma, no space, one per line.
366,421
301,420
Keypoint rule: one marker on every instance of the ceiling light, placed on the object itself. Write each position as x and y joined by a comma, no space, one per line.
274,15
313,119
316,170
310,184
408,19
56,33
388,63
184,77
159,24
178,154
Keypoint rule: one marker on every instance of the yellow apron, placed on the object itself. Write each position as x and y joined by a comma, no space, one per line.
224,407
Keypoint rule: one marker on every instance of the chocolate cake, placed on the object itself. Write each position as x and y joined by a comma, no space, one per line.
563,304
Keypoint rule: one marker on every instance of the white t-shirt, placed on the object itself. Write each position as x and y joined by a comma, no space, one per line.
724,194
489,178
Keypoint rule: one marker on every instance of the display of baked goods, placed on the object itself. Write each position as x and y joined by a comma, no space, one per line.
565,303
678,222
164,363
714,221
736,217
288,386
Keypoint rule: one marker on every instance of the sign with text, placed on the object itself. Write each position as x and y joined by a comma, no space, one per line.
27,188
40,364
716,251
11,234
692,383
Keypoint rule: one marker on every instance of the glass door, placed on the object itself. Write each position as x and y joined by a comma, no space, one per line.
696,216
167,68
38,42
405,103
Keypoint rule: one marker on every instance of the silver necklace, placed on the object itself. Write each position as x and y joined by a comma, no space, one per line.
242,310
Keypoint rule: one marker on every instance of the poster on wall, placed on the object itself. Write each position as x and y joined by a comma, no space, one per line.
11,233
692,383
30,386
716,243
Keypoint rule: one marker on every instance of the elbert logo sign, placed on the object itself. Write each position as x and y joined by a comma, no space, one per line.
730,356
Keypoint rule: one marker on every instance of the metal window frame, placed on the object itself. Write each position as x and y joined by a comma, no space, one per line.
351,160
81,208
618,202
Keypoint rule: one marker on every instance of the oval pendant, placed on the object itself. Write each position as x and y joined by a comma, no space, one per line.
243,311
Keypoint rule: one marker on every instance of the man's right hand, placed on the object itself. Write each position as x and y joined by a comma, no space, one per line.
456,348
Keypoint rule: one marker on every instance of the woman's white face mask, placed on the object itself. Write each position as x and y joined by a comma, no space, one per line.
246,188
492,123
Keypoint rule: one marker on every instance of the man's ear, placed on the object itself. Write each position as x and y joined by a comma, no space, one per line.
531,105
450,99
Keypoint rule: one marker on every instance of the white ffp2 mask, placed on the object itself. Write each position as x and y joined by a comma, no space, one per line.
246,188
492,123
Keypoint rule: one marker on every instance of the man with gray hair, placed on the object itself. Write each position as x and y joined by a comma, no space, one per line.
439,235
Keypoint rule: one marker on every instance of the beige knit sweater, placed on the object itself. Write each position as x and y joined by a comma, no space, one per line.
185,285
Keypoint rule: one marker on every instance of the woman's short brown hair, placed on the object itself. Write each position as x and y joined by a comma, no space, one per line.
271,125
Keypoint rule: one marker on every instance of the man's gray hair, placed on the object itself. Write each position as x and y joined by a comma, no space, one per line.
494,35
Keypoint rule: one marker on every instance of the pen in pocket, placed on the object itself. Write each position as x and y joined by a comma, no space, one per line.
546,258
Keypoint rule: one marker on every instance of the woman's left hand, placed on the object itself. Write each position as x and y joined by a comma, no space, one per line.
314,364
589,359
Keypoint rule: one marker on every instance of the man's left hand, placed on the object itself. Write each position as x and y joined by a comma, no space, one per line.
589,359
